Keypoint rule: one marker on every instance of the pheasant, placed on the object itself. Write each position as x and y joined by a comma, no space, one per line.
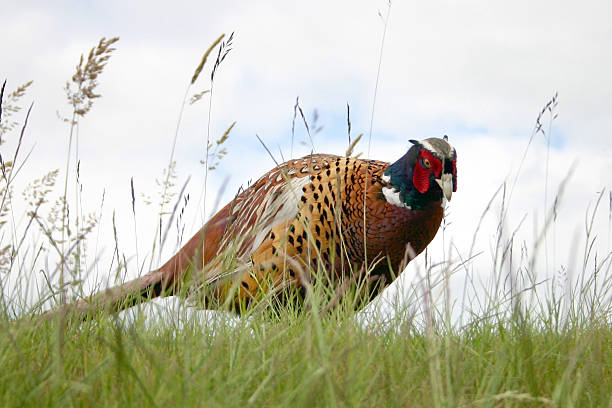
323,214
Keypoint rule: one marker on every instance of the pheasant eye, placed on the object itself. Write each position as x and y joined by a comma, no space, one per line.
426,163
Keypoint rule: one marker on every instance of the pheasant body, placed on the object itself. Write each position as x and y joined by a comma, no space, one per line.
321,214
311,211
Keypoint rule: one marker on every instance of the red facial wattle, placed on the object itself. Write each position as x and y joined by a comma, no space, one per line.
427,164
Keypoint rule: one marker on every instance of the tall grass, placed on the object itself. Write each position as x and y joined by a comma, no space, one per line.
517,342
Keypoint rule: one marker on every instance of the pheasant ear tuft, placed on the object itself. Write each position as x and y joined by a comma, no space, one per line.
445,137
415,142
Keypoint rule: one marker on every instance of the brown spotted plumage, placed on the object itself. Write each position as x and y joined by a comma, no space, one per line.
321,214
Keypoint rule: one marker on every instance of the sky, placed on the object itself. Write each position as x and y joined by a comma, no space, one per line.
479,72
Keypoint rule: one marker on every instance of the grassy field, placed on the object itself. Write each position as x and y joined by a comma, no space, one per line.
511,351
307,360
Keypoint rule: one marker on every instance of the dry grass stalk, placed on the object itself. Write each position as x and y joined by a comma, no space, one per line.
37,191
85,79
315,129
214,157
9,106
351,148
198,70
348,121
198,96
2,98
267,150
226,47
226,134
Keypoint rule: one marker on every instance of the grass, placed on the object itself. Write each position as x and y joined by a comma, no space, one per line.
301,360
520,345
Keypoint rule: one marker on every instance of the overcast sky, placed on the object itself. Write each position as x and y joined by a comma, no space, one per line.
477,71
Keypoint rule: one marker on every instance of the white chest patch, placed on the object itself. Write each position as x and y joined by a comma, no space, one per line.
393,197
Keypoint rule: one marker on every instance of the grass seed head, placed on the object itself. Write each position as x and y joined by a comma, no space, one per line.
198,70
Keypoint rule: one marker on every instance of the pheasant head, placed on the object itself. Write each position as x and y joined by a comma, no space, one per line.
426,173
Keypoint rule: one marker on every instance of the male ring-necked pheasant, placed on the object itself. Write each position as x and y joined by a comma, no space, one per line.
322,213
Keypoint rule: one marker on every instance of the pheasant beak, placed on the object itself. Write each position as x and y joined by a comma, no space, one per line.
446,184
